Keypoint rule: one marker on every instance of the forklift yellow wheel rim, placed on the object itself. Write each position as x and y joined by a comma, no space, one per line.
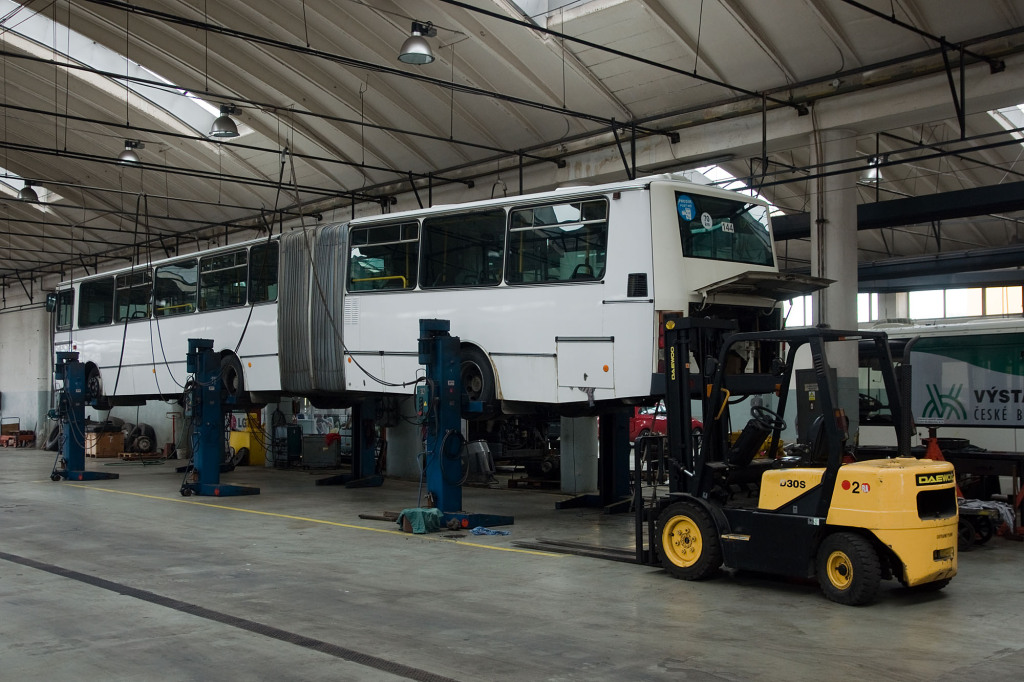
839,570
682,541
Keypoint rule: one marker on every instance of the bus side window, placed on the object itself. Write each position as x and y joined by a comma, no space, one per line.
132,294
222,280
558,242
96,302
65,306
174,290
263,272
462,249
383,257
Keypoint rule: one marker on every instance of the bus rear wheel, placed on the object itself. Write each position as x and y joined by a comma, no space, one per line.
477,375
232,384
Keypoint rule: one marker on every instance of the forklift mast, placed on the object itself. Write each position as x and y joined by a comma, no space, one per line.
733,366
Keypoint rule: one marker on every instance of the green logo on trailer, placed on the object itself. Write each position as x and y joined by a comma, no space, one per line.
944,405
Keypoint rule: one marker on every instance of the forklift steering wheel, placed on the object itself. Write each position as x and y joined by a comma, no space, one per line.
766,418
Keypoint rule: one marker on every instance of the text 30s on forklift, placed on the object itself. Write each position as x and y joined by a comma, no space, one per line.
807,515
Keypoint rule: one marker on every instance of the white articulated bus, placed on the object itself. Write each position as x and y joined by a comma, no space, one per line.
557,298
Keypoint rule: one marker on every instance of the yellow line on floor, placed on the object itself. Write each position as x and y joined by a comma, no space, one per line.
320,521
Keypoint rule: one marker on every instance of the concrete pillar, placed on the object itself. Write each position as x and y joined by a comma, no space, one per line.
405,443
894,306
578,455
834,255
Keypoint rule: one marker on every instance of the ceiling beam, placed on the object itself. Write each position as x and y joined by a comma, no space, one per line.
963,203
945,263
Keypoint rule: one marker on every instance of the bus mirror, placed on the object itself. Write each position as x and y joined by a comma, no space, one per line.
51,302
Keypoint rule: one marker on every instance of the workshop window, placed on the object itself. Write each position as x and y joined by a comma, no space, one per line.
222,280
383,257
96,302
463,250
174,290
562,242
263,272
132,292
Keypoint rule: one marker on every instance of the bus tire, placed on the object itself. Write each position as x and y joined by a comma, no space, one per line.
93,382
477,375
231,377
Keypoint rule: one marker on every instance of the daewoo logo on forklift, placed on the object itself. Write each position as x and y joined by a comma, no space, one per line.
811,510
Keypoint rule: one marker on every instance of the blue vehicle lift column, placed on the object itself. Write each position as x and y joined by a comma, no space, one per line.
203,398
71,413
440,405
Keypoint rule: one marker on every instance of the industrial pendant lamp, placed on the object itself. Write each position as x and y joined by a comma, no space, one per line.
28,194
128,156
873,174
223,125
416,49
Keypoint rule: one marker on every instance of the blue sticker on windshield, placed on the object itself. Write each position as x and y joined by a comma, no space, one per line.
686,208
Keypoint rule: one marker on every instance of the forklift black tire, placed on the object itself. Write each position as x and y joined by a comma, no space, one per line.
688,542
54,477
965,535
186,491
933,586
848,569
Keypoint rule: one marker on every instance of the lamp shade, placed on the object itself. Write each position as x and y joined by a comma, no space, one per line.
129,155
224,125
28,194
416,50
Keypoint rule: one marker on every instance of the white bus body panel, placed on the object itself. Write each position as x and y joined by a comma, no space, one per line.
522,328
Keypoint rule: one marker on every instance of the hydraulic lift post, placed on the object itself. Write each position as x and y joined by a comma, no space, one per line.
441,408
71,413
204,400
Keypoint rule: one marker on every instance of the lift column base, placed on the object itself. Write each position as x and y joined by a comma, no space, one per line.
350,481
217,490
86,475
467,520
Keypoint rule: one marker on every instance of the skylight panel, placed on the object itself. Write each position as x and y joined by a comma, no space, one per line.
1010,118
718,176
173,104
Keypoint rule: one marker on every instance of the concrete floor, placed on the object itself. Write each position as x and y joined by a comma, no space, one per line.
127,580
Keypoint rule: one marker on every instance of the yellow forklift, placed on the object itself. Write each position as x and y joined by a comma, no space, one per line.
811,510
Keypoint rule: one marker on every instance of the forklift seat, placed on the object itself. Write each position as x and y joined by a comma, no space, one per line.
747,445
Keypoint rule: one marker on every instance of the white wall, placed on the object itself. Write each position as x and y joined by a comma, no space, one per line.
25,367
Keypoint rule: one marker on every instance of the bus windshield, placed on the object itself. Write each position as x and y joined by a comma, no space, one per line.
724,229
